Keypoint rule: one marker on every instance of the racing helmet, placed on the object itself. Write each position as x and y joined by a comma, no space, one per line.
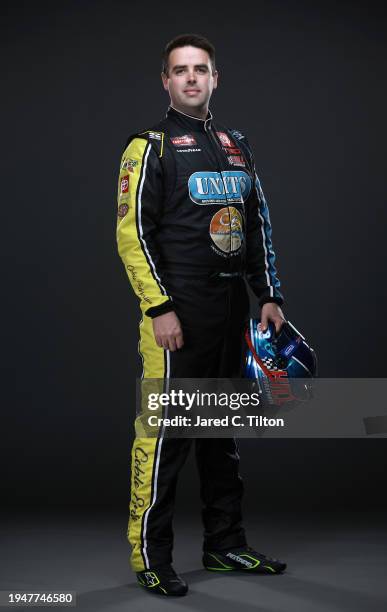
272,359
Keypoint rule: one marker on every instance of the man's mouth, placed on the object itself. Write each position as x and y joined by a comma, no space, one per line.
191,90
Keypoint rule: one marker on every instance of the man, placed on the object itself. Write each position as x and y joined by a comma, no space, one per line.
192,224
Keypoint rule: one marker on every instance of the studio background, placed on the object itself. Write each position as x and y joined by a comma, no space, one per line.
307,84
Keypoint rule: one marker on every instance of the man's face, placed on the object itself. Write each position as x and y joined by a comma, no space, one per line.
190,79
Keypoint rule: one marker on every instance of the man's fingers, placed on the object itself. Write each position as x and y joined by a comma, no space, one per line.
162,342
167,331
176,339
264,323
159,341
172,343
179,340
165,343
272,312
278,325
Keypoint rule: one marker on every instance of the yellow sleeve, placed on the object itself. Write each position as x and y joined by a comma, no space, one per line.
140,192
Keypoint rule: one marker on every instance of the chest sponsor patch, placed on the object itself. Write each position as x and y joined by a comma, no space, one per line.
224,139
187,150
232,151
183,141
226,229
228,187
236,160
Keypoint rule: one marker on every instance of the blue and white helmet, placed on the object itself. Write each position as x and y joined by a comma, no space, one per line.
274,357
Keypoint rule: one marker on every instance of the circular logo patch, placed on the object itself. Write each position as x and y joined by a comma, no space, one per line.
122,210
226,229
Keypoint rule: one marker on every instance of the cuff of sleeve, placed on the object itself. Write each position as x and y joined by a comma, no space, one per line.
267,300
156,311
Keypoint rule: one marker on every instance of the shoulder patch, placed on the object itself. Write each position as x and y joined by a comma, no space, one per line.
157,139
238,135
155,135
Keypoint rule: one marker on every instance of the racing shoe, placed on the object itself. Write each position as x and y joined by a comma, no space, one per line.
242,558
162,580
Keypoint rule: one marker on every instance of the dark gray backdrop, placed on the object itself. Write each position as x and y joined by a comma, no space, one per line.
306,82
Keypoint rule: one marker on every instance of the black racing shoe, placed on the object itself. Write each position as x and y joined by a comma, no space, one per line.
242,558
162,580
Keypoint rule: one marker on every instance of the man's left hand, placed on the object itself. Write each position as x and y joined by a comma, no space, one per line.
272,312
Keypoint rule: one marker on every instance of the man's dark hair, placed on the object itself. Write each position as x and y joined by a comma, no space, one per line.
188,40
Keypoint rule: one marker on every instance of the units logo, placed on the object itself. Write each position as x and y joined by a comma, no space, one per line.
184,141
228,187
226,229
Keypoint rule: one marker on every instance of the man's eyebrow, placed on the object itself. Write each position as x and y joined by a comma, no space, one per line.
178,66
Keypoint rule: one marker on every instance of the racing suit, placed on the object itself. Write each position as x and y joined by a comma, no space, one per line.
193,226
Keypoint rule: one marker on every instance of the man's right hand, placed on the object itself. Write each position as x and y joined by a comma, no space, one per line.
167,331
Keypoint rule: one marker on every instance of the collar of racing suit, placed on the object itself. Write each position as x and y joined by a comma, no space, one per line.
187,121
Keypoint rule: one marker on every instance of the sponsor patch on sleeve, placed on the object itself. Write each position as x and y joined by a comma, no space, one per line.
124,184
122,210
129,164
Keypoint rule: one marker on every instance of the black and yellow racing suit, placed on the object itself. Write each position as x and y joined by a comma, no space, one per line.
193,227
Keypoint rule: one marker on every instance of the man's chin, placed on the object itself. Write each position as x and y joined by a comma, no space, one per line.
191,105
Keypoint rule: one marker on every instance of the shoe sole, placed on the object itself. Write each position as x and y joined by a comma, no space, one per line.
152,591
268,571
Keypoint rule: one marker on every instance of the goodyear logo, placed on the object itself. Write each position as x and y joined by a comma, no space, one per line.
227,187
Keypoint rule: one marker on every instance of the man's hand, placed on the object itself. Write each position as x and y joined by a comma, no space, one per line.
272,312
167,331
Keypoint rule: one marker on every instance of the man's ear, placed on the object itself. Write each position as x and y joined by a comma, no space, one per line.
164,79
216,76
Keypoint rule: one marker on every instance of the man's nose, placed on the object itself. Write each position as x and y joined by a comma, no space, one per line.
191,76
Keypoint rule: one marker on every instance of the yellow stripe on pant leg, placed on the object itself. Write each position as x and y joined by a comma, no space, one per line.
144,455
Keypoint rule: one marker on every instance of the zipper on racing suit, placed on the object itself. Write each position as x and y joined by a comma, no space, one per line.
215,145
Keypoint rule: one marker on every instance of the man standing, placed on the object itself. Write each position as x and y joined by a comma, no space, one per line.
193,225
